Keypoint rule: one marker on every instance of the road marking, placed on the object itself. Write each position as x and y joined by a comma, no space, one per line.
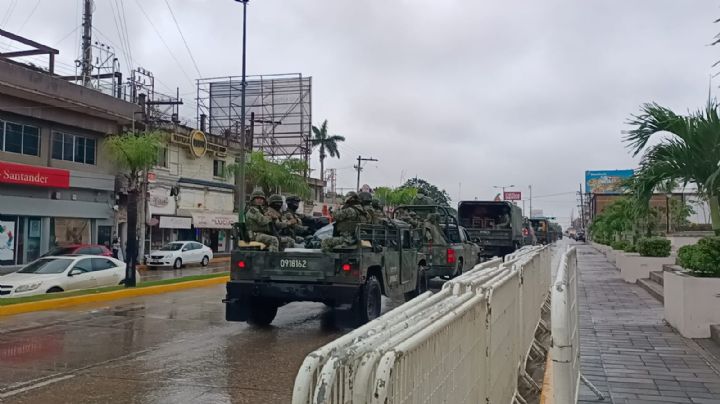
35,386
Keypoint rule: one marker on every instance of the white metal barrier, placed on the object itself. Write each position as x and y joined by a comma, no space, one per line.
565,351
464,344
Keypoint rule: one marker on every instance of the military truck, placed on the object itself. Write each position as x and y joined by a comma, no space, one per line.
450,252
386,261
541,226
497,226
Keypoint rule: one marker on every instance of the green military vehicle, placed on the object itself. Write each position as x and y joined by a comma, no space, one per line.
541,226
496,225
450,251
385,262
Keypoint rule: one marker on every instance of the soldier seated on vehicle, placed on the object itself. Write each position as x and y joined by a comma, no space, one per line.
346,220
295,228
277,224
366,204
258,225
504,220
379,209
432,232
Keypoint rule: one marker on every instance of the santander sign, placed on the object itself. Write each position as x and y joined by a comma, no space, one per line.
22,174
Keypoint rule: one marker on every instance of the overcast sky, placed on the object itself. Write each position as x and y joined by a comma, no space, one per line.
468,92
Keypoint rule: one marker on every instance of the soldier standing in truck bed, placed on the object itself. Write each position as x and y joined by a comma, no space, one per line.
258,225
346,220
380,216
275,203
295,228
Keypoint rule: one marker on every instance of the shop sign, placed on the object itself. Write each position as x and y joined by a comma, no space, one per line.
159,201
175,222
23,174
213,220
512,196
198,144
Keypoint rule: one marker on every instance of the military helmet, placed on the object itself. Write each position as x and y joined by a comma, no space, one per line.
351,196
377,203
365,198
257,194
292,198
275,198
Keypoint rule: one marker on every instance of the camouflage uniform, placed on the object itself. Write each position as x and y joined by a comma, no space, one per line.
258,225
410,218
366,203
379,209
432,232
346,220
276,218
421,199
295,227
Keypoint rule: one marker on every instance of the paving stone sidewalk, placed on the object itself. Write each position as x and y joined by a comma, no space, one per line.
629,352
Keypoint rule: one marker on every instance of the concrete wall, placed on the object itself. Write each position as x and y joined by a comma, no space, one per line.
691,304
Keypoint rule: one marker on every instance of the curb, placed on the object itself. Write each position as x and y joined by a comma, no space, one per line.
52,304
546,394
217,260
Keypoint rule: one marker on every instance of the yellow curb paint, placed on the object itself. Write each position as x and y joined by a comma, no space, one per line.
546,394
52,304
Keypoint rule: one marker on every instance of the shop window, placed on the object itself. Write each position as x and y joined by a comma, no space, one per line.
162,157
218,168
17,138
73,148
65,231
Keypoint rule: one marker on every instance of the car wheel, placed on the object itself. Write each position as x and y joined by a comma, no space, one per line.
177,264
262,312
368,304
421,286
205,261
459,270
55,289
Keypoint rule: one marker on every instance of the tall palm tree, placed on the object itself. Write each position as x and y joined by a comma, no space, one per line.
328,145
690,155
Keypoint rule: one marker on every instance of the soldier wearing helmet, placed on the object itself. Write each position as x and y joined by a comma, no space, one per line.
258,224
295,227
276,220
366,203
379,211
346,220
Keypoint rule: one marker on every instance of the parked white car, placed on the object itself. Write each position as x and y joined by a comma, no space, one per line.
179,253
62,273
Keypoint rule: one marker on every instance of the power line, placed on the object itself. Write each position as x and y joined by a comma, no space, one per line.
179,65
125,30
8,13
118,27
183,38
28,17
66,36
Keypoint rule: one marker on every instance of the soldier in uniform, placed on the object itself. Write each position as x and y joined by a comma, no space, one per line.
346,220
280,225
379,209
295,227
258,225
409,217
432,231
366,203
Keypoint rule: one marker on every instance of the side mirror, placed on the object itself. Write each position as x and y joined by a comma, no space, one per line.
75,271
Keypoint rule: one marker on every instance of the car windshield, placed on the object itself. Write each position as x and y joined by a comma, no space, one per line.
47,266
59,251
171,247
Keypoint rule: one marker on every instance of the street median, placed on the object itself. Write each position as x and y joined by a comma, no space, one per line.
54,301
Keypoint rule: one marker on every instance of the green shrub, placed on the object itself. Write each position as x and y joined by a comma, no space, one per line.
619,245
631,248
654,247
703,258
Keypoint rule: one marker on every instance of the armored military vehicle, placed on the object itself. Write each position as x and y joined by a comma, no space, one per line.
497,226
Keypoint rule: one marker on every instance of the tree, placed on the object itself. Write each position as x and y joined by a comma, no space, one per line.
441,197
690,155
274,177
393,197
135,154
328,146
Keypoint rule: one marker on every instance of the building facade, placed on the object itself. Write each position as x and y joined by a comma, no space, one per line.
56,186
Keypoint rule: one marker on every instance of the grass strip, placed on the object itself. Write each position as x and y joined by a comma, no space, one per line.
48,296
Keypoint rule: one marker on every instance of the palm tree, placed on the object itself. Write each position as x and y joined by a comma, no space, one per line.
689,156
328,146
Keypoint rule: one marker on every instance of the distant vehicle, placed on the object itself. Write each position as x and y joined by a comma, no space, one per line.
83,249
179,253
580,236
496,226
529,237
63,273
385,262
455,253
541,226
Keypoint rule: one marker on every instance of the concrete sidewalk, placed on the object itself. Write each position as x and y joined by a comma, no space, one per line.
629,352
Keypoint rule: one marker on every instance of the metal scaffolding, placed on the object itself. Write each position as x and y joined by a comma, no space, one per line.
280,106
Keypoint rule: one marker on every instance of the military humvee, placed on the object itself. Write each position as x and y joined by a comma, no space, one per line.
386,261
496,226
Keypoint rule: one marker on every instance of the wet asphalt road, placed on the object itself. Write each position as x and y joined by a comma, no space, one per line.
170,348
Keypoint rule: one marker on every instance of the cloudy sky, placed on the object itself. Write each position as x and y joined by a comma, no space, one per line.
467,94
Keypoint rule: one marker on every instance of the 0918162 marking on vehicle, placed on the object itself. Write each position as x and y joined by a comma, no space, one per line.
292,263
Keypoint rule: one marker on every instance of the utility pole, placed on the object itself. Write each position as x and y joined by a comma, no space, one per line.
240,177
360,159
582,208
86,61
531,213
503,189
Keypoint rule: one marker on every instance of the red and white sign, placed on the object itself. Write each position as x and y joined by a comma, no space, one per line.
23,174
512,196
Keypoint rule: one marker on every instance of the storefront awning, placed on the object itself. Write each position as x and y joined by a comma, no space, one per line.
213,220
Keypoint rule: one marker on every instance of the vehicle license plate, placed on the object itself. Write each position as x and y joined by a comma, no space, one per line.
288,263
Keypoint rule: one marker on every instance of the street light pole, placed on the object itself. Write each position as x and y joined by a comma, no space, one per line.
503,189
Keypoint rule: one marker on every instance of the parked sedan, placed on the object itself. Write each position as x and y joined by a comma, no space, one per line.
83,249
179,253
62,273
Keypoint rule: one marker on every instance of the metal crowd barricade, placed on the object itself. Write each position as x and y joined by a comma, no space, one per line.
464,344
